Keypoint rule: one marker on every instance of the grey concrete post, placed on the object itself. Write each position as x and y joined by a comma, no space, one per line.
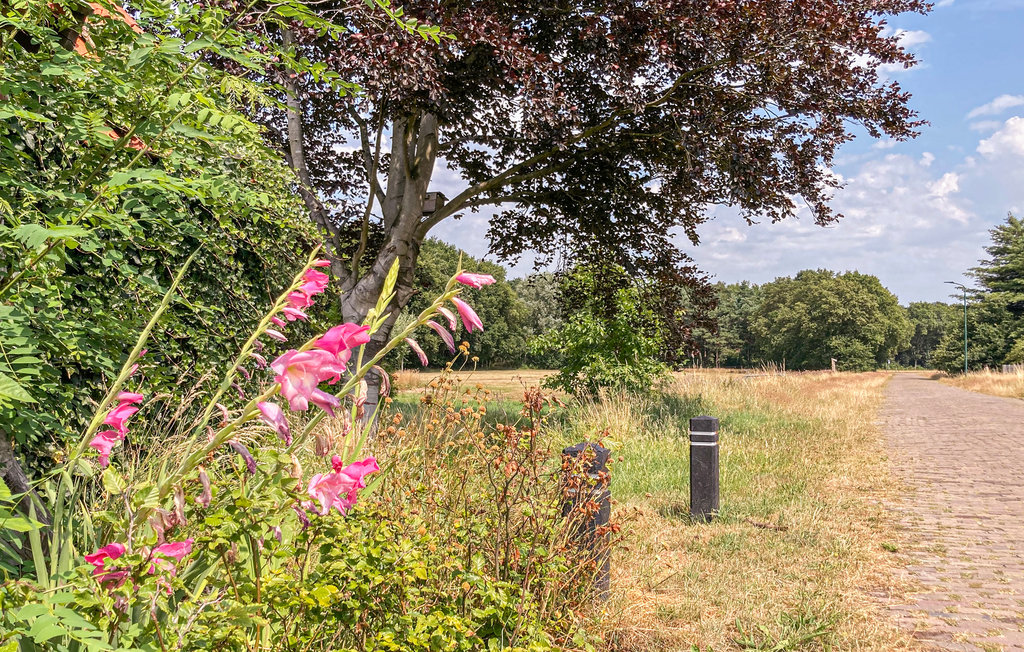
703,468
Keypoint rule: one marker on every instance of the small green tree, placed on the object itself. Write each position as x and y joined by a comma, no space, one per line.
610,338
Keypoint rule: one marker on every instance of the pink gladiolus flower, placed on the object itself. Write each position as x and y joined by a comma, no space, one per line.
450,316
130,397
315,282
276,335
224,416
260,360
273,416
104,443
108,577
277,321
116,418
320,262
340,339
299,299
443,332
419,352
339,490
294,313
476,281
469,318
300,373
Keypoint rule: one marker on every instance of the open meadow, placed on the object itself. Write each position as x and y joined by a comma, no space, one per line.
802,549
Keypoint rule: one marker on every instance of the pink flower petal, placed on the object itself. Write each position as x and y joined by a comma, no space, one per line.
419,352
276,335
450,316
277,321
474,280
130,397
448,338
469,317
273,416
104,442
320,262
294,313
343,337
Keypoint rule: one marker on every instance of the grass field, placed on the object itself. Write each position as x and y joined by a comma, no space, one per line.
802,547
988,382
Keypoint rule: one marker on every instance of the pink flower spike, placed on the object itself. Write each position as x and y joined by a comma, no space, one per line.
469,317
324,401
342,338
260,360
273,416
276,335
277,321
321,262
130,397
443,332
450,316
294,313
475,281
419,352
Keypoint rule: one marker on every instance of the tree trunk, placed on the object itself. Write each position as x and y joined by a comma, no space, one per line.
10,469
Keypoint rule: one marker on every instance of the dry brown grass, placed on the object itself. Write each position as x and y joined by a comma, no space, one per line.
504,384
800,454
989,382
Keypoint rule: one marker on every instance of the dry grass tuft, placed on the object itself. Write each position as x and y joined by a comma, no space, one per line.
990,382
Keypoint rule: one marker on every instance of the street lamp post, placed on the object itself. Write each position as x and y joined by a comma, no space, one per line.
961,286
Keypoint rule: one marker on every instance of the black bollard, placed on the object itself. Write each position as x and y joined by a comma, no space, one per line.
703,468
593,520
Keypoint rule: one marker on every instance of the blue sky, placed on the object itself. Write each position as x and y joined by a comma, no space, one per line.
917,213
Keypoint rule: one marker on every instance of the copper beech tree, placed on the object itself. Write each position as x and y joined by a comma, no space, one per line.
603,125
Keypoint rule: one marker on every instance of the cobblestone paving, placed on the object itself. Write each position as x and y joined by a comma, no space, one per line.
962,454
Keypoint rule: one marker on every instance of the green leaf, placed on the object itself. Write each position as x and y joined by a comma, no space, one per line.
35,235
9,388
113,482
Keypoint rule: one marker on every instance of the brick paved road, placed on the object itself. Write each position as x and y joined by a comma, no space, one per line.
962,453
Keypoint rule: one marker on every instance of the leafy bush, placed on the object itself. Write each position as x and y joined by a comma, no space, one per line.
216,539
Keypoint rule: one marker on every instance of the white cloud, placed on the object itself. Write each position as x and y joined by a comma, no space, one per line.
911,37
927,159
947,184
986,125
888,143
1008,141
944,3
996,106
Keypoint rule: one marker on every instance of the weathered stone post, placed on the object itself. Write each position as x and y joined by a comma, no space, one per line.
590,505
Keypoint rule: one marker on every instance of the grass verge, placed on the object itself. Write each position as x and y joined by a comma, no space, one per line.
801,550
989,382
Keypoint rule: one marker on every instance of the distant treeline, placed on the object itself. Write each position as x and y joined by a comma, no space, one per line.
801,322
